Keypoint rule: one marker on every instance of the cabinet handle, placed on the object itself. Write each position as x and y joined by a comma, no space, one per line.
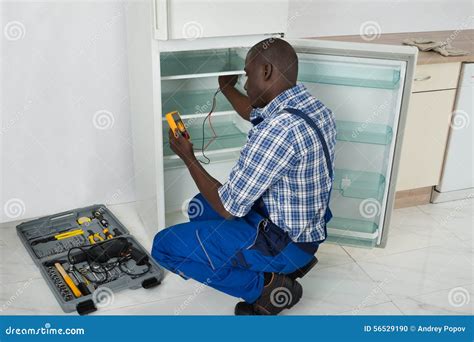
422,78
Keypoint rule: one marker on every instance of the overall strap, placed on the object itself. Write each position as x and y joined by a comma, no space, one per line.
310,122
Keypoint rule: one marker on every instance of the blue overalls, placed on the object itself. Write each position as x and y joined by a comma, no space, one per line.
232,255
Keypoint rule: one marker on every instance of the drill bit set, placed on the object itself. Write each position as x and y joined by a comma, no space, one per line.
84,249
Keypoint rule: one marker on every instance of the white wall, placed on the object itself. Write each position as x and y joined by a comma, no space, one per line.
62,64
65,137
348,17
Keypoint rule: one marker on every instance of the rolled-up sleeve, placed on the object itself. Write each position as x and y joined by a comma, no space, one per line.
267,156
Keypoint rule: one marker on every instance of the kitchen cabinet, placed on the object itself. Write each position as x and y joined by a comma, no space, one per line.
367,86
427,127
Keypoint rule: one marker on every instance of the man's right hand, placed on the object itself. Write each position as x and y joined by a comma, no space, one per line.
239,101
227,81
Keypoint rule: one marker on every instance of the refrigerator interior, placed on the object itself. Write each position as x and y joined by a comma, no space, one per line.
365,95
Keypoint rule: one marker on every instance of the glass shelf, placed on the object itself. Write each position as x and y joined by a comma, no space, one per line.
179,65
348,74
194,102
359,184
229,136
349,231
362,132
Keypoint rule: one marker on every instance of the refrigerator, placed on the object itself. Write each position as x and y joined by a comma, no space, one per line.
367,86
457,178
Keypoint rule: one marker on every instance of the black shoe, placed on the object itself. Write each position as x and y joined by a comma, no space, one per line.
244,309
301,272
281,293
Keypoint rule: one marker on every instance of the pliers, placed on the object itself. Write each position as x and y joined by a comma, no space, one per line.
94,237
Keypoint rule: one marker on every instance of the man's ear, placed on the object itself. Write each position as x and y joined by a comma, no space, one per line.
267,71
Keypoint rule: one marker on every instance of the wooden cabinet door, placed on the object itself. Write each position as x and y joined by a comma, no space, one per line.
425,136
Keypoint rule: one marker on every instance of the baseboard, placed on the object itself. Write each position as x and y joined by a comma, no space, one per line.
412,197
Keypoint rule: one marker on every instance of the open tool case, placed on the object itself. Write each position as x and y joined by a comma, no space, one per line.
84,252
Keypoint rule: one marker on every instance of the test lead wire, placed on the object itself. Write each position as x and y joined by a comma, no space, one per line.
208,116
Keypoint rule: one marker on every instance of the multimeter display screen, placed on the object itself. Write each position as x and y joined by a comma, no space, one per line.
176,117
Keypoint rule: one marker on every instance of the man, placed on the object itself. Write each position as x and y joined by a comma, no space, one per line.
259,231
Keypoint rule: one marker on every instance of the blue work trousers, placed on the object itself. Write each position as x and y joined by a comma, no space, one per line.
228,255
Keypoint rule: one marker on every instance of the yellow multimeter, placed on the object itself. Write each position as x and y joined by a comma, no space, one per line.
175,122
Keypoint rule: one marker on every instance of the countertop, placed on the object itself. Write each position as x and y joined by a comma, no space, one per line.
461,39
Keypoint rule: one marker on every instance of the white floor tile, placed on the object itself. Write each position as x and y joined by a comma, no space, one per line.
421,271
378,309
458,300
338,289
331,255
414,233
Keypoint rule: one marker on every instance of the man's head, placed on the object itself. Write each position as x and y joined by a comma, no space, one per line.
271,67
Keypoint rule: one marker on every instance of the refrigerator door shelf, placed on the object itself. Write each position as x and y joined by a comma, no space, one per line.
359,184
363,132
358,73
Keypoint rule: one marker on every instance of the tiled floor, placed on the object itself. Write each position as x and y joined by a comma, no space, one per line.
426,268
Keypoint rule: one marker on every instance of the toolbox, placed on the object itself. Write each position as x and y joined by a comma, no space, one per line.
86,255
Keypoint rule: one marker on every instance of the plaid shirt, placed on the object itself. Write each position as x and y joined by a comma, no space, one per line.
283,162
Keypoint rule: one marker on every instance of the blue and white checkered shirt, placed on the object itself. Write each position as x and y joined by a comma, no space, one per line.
283,162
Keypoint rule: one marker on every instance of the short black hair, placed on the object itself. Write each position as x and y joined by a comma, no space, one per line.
280,54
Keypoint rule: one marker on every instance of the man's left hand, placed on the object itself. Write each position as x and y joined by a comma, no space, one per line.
181,146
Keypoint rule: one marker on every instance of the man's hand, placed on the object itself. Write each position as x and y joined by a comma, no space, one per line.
181,146
227,81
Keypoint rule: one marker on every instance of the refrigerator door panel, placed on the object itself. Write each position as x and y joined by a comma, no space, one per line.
367,87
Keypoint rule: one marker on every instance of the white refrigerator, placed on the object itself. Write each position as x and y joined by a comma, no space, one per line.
367,86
